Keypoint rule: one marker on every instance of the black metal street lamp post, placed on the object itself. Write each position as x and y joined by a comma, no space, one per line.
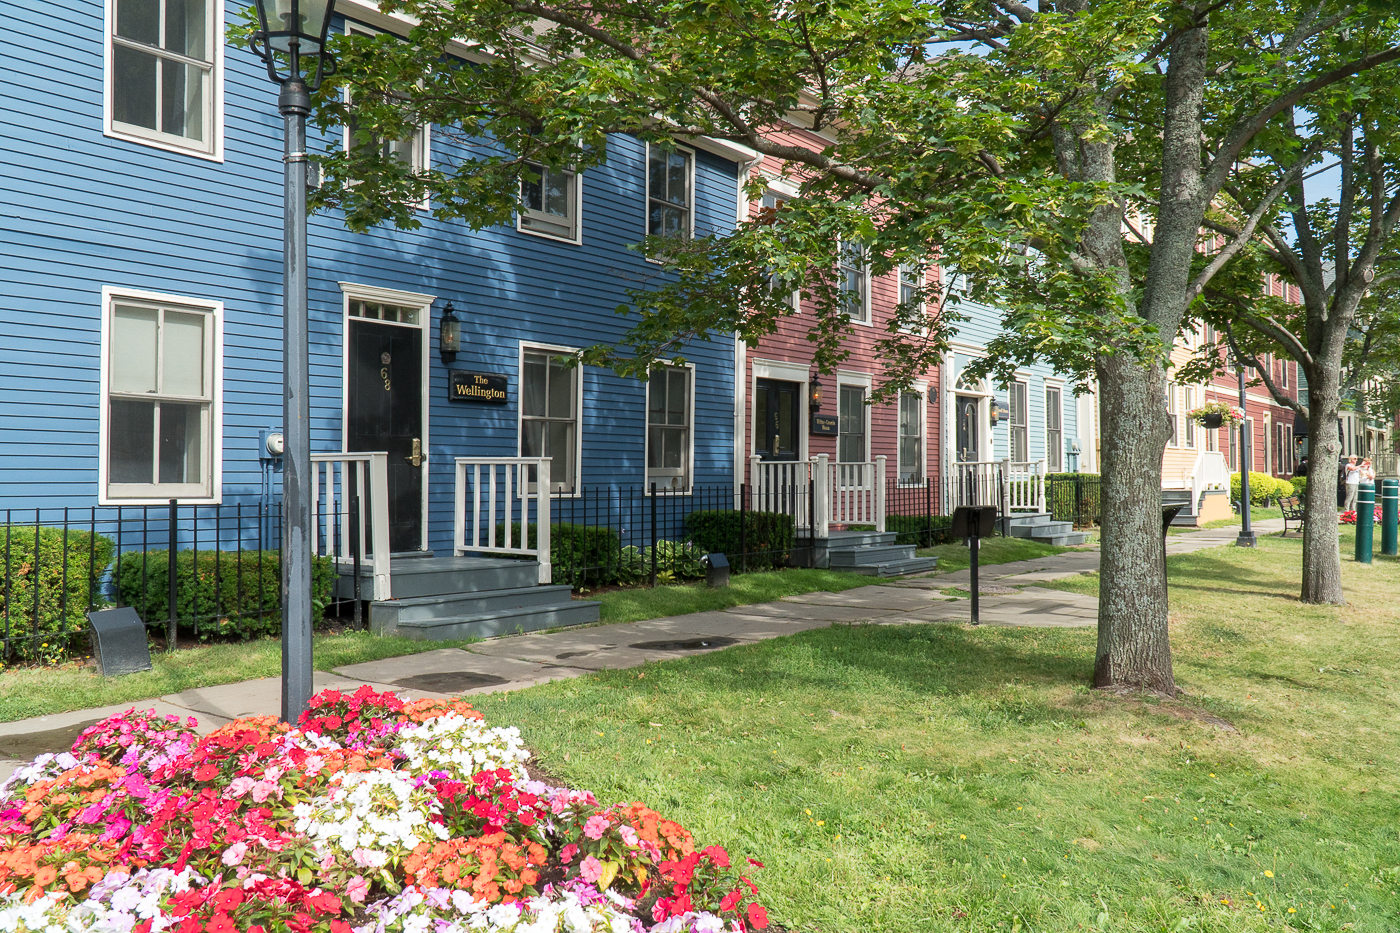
1246,536
291,38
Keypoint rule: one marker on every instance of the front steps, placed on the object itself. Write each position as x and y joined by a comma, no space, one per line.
873,554
453,598
1213,504
1041,527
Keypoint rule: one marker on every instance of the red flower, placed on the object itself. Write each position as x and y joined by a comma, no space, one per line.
717,855
731,900
206,772
758,917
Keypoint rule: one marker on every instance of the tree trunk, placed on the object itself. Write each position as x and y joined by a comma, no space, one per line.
1133,649
1322,559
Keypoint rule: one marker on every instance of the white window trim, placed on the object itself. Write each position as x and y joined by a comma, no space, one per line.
923,303
920,389
577,238
646,432
213,150
1047,387
866,382
556,350
868,308
112,294
795,297
1024,381
646,186
1173,405
426,130
351,291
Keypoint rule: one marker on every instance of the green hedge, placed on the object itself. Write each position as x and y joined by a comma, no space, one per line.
915,529
1262,487
1069,499
1300,486
62,601
767,537
579,555
248,587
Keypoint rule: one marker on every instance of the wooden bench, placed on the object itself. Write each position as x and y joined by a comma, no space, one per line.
1292,511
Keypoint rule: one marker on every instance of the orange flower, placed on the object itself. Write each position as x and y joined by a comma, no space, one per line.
45,876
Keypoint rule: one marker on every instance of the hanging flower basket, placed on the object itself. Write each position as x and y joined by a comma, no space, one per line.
1216,414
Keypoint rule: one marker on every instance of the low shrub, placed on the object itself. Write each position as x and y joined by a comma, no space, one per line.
675,561
61,583
920,530
579,555
767,536
220,594
1300,486
1073,497
1262,487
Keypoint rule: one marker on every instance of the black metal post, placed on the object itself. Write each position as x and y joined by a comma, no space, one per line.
972,576
294,103
1246,537
743,527
173,577
653,534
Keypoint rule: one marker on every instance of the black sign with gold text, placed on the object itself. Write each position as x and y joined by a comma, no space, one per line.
476,387
825,424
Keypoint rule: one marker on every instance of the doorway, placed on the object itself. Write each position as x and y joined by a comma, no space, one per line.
968,445
385,412
777,419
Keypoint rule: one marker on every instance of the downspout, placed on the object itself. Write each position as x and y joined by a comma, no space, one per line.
741,361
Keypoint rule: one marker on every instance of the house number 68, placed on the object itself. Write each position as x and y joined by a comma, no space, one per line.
384,374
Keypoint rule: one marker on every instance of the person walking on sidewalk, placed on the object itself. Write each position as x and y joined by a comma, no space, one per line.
1353,483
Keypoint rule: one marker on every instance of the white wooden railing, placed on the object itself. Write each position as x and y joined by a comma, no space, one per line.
350,510
1209,472
1011,485
487,489
974,482
1025,486
836,493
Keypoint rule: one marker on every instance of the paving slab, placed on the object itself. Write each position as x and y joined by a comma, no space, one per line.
263,697
871,597
808,612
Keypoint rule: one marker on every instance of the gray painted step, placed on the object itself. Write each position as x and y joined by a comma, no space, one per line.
1024,519
454,605
504,622
848,539
439,576
1069,539
1041,530
854,557
896,568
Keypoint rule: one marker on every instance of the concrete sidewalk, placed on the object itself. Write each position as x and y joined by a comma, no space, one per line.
517,662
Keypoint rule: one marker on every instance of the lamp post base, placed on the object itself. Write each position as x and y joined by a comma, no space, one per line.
1247,539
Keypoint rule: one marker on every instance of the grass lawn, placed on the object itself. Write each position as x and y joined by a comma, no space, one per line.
634,605
944,778
991,551
1256,514
26,692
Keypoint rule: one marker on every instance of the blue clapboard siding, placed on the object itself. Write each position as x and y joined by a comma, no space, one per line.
982,325
79,211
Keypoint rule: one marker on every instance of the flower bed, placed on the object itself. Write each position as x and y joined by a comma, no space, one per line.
376,815
1349,516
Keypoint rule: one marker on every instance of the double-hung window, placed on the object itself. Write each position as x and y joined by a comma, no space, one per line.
1174,439
549,415
1020,423
911,437
668,427
670,192
784,291
1188,403
161,85
160,432
911,281
850,447
412,150
852,282
1054,429
549,202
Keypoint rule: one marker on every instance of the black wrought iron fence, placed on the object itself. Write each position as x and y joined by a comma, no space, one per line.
920,510
191,572
1074,497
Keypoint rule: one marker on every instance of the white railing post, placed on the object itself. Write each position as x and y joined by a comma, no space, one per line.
880,494
755,477
543,492
1007,491
379,522
821,479
1040,470
459,509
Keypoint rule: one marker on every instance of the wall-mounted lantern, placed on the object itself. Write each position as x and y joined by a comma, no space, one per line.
997,410
814,397
449,334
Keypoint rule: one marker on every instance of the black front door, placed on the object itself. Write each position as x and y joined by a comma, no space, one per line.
967,427
777,419
386,413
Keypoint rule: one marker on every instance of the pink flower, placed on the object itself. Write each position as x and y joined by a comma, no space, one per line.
596,826
262,790
566,855
234,853
357,890
628,834
591,869
239,786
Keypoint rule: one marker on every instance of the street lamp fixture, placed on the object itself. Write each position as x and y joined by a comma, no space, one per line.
814,396
449,335
291,40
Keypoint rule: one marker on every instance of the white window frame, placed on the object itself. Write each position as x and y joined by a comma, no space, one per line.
214,453
575,207
920,391
689,469
794,298
552,350
212,148
901,275
1269,444
422,136
866,317
1012,427
1174,440
1055,464
646,184
865,382
1188,402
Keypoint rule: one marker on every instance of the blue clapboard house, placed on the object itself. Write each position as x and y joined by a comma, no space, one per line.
140,308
